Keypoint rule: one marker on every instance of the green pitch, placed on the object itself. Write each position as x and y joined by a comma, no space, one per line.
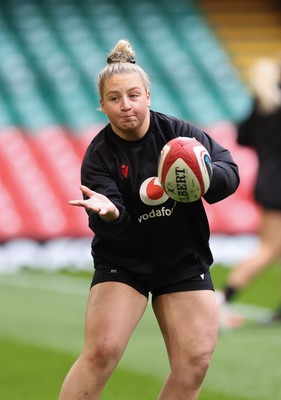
41,334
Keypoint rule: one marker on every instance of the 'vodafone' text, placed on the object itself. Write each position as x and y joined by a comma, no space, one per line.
154,213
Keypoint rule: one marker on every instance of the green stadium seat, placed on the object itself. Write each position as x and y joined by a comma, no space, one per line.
62,46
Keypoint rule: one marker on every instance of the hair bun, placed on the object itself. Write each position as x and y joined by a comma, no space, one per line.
120,56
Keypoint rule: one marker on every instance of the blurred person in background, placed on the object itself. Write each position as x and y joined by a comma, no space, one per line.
261,130
144,241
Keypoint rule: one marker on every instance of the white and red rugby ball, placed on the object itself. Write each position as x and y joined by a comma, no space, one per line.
185,169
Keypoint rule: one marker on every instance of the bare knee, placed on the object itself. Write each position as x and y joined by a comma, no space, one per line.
199,369
104,354
190,374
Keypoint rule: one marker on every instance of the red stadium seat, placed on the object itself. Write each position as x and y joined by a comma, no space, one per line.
40,174
238,213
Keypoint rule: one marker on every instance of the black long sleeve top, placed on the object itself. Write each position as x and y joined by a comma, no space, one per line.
153,233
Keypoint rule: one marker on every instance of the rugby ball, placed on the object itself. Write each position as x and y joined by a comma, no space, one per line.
185,169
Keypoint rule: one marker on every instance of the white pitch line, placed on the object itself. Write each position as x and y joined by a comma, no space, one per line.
58,285
79,287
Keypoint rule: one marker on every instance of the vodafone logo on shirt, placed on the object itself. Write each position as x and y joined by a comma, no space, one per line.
152,193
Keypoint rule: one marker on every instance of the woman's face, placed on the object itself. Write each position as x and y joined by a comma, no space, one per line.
126,103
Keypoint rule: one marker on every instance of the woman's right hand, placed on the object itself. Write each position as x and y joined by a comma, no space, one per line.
97,203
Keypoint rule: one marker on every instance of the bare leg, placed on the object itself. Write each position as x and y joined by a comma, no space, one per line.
267,251
113,311
189,324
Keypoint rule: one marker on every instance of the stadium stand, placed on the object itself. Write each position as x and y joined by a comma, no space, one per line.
248,29
52,50
50,53
36,184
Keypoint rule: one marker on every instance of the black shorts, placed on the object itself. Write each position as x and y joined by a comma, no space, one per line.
144,285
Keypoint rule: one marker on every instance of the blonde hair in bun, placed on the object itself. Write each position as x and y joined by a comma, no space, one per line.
121,60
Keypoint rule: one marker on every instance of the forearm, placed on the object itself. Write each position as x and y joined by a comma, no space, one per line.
109,229
225,181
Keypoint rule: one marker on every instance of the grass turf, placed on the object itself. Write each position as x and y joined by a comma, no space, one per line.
31,372
41,334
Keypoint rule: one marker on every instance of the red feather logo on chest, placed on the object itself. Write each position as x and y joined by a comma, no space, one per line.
124,169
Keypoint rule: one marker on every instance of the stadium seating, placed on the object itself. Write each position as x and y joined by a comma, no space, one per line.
40,173
238,213
37,180
50,54
248,29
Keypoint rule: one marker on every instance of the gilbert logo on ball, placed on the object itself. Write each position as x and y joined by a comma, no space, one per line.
185,169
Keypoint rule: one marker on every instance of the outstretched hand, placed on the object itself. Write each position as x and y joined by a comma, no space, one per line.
97,203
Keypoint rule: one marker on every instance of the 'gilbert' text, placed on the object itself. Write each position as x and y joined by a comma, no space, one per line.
181,182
